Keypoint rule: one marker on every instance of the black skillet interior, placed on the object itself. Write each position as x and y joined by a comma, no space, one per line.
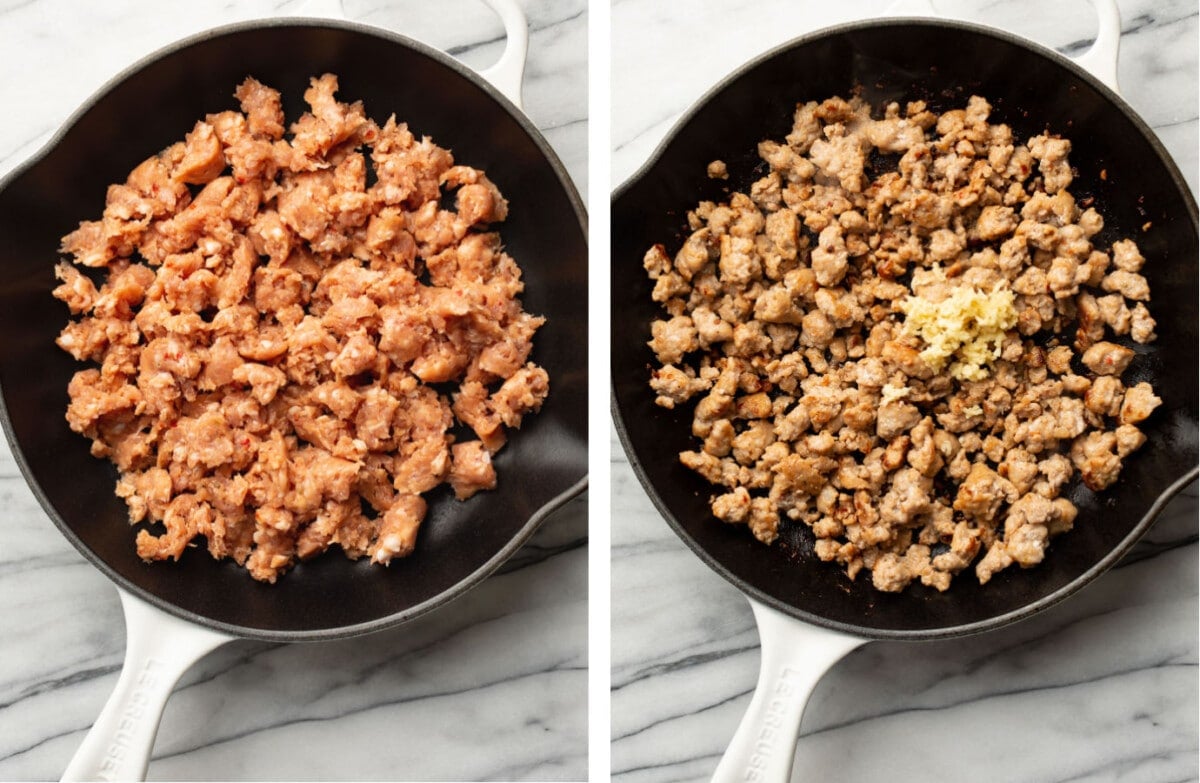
155,106
942,63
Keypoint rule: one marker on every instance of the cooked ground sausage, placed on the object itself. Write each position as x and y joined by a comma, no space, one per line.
884,352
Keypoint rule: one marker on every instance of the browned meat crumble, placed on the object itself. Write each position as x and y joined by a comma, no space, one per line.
913,363
268,340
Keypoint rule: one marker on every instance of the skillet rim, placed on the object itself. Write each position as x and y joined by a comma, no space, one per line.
534,521
710,560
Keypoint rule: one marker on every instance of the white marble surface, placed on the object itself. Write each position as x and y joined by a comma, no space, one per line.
493,686
1101,688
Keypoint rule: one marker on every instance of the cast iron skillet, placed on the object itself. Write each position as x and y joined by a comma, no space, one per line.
942,62
154,104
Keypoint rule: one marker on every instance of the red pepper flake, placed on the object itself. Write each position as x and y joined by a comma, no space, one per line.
1104,174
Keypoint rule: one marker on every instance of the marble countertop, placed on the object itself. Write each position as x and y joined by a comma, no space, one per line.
1100,688
493,686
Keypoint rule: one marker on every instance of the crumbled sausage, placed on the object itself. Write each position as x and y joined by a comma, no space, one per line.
1126,256
1140,401
261,377
673,339
1051,154
1142,325
983,492
1095,458
1131,285
995,222
885,354
1104,395
1115,313
829,257
471,470
1105,358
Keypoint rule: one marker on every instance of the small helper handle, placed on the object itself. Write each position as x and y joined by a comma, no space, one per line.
506,75
159,648
1100,60
794,658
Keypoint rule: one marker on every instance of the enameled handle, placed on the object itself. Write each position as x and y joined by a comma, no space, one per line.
506,75
159,648
1101,60
794,658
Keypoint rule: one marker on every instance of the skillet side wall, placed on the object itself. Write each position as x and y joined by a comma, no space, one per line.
156,106
942,64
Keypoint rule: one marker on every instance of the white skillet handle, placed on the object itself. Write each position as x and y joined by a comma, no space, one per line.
794,658
509,71
159,648
1100,60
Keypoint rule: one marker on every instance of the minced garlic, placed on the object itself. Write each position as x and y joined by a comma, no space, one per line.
891,393
968,326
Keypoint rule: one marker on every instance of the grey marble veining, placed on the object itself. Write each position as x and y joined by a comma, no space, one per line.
493,686
1102,687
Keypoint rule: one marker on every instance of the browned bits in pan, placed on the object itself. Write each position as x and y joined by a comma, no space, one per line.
280,350
913,360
